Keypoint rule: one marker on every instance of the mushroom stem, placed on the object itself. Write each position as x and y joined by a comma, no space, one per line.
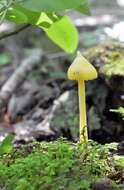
82,110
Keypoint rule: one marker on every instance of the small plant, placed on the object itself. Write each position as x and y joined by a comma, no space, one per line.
6,145
120,111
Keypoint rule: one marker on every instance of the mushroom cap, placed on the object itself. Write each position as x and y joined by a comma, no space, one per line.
81,69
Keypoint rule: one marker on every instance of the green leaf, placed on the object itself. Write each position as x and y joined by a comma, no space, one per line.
21,15
31,17
54,26
50,5
64,34
46,20
16,16
6,145
84,8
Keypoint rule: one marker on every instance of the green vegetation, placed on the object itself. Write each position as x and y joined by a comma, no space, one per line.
115,64
46,14
6,145
57,165
109,58
120,111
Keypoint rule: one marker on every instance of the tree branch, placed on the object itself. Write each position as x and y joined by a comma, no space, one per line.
16,31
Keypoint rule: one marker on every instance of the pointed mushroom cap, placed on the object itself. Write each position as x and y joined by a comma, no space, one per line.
81,69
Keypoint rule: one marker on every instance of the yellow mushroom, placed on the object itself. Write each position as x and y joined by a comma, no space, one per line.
82,70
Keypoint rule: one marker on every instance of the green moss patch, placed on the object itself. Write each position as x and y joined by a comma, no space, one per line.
57,166
108,58
114,65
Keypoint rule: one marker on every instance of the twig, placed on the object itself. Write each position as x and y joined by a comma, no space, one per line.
16,31
19,76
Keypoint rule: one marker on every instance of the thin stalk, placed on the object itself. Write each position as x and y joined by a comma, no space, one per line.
82,111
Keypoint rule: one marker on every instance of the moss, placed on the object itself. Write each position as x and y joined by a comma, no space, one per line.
56,166
108,58
114,65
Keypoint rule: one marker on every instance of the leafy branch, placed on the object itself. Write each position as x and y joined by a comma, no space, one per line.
45,14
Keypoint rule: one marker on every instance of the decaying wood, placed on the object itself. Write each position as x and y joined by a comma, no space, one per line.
19,76
46,122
